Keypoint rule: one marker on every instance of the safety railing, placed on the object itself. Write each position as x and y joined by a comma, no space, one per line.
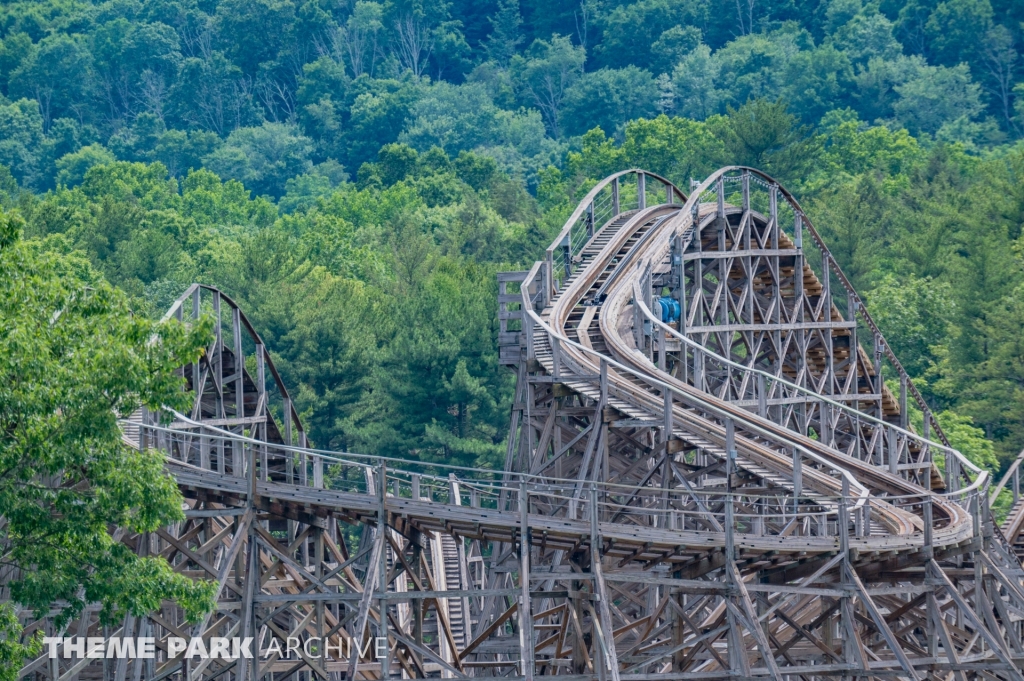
896,440
1011,477
614,195
769,396
713,189
560,362
888,442
711,509
223,368
209,448
708,508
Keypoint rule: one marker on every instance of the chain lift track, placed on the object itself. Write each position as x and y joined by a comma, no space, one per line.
707,478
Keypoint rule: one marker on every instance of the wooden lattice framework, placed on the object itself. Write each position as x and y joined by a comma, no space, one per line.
732,495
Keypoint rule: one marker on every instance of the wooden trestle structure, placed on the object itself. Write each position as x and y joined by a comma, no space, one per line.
734,493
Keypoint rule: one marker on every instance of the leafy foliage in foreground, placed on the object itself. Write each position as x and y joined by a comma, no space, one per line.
355,173
74,358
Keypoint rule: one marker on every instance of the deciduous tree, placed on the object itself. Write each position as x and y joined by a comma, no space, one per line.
75,358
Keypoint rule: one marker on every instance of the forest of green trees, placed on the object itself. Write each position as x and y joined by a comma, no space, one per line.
356,172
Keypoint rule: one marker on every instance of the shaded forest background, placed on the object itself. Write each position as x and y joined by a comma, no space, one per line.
355,173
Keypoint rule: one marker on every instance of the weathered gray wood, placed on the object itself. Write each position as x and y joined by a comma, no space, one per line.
640,433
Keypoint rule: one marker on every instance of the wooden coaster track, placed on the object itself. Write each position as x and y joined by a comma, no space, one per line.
733,493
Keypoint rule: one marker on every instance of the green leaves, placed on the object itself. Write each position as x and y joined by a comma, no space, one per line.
763,134
13,653
263,158
544,76
75,358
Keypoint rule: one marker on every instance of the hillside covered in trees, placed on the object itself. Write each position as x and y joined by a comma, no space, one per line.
355,173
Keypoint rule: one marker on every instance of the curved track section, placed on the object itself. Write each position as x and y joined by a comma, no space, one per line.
759,389
730,492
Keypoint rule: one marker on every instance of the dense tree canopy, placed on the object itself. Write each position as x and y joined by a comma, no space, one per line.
260,90
384,159
356,172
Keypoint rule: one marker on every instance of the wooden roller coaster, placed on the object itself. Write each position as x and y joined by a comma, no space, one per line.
707,478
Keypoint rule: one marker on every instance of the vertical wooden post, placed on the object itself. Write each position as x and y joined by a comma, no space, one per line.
236,338
680,285
556,357
318,464
678,630
932,632
720,190
525,609
662,349
417,611
195,365
952,474
894,454
762,396
698,369
600,659
611,664
798,316
236,333
698,269
730,466
824,420
204,451
218,364
615,196
641,191
928,453
879,385
852,380
249,615
975,504
382,580
261,388
548,278
723,263
289,458
318,572
602,442
843,522
303,461
926,512
904,421
798,473
666,434
567,255
826,316
289,455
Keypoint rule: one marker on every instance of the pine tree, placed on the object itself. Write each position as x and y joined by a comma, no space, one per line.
503,40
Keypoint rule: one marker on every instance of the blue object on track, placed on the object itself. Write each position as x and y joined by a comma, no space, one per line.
669,309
